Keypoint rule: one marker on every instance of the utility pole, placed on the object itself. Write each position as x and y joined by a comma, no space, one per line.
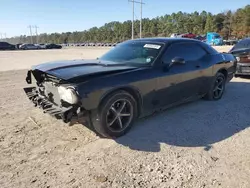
36,33
133,20
31,39
133,2
230,23
141,20
133,17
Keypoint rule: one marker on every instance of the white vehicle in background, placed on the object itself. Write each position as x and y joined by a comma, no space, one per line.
175,35
29,47
42,46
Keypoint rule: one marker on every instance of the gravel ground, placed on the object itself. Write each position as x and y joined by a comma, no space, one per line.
197,145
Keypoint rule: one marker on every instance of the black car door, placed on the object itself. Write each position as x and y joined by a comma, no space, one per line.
181,82
170,79
196,69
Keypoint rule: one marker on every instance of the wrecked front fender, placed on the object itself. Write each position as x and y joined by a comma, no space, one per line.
67,114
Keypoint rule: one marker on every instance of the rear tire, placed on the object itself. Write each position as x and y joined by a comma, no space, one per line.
115,116
217,88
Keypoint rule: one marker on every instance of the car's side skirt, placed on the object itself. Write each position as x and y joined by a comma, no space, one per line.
160,109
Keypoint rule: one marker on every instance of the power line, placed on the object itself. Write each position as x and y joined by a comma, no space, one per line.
141,3
31,40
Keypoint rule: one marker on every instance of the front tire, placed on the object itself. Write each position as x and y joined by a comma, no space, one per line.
217,88
115,115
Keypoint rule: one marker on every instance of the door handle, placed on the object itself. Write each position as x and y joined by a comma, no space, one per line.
197,66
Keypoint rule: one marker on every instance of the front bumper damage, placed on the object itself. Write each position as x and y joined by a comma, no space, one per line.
242,69
67,114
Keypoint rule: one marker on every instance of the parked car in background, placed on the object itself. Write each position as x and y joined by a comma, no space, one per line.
175,35
42,46
230,42
7,46
201,38
53,46
214,39
29,47
134,79
18,45
188,35
241,51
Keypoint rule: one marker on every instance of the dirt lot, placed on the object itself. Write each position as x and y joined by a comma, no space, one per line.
15,60
197,145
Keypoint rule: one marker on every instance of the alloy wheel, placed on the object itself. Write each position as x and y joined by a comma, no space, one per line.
119,115
218,87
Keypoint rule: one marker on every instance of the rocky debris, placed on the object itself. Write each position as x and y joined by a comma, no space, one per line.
34,180
214,158
72,181
1,138
203,185
23,161
101,178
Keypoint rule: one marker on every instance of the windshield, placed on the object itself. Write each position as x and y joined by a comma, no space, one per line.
245,43
133,52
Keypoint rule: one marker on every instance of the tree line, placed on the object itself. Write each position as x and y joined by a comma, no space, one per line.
228,24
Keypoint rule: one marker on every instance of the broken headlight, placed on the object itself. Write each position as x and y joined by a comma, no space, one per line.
68,94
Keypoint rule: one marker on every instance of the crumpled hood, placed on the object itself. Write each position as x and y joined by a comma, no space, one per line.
76,68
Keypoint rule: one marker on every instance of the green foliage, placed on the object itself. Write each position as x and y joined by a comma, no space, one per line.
228,24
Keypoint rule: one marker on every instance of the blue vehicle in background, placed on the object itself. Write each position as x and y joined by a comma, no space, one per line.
214,39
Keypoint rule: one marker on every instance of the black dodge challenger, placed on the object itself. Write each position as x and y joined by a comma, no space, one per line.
134,79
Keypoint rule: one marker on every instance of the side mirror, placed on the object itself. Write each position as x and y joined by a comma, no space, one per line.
174,61
177,61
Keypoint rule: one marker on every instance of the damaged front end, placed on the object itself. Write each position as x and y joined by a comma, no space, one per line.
54,96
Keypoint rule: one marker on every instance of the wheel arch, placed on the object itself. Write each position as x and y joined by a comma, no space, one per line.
129,89
223,71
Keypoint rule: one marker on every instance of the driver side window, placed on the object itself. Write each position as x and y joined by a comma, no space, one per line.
175,50
188,51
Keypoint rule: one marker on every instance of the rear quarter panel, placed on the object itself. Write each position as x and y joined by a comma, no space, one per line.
226,62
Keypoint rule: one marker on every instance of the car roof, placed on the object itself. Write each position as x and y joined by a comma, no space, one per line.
164,40
169,41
